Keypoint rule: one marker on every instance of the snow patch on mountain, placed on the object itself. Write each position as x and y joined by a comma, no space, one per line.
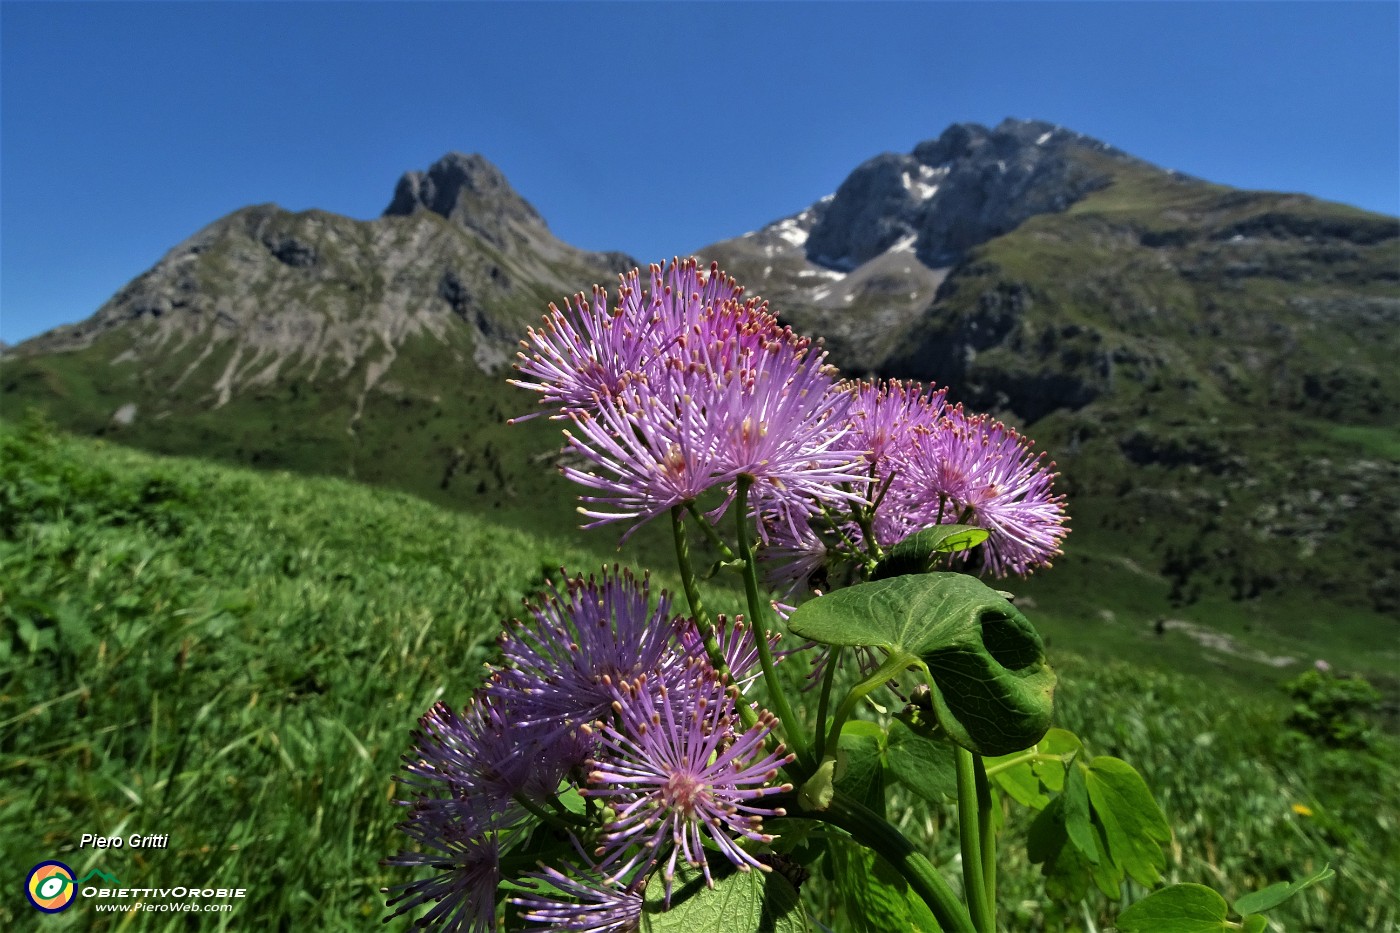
924,187
790,231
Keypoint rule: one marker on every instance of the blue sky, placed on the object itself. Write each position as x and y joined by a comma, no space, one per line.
650,128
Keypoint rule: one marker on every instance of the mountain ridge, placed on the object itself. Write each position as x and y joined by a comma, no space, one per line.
1211,361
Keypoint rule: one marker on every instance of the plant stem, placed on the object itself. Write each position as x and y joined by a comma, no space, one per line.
885,672
796,739
710,532
833,658
970,839
865,518
1021,759
875,833
988,836
703,623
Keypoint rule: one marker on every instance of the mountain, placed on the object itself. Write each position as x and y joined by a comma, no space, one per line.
1212,368
274,293
310,341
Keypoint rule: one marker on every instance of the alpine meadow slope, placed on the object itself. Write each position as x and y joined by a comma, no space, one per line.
1211,368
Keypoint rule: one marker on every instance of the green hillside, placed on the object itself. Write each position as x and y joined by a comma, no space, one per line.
235,659
1213,370
231,658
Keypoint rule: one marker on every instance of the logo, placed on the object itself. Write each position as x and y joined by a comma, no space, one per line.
50,887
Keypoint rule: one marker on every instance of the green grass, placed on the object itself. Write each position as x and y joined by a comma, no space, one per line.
233,659
1374,441
236,659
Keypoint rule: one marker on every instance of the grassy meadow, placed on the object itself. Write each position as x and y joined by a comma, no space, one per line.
236,659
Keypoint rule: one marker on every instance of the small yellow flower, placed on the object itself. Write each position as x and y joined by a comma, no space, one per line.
1302,809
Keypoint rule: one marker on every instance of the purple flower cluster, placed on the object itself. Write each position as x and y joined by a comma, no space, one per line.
598,692
685,387
928,463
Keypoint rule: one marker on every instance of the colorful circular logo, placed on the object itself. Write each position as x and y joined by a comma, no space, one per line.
50,886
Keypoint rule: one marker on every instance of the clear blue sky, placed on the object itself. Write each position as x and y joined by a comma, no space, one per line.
650,128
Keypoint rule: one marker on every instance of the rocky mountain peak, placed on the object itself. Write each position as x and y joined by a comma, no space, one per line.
954,192
467,190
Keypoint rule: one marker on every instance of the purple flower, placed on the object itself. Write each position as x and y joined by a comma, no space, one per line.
928,464
975,469
886,416
588,352
883,419
675,772
736,645
684,388
596,905
484,755
463,892
582,353
563,664
793,557
646,451
766,411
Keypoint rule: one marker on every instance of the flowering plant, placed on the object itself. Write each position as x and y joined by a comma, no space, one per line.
630,767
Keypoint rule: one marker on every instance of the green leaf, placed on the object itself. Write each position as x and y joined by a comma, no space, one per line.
991,688
740,902
1056,742
916,553
1077,825
1254,923
820,788
572,800
1047,833
1133,825
1068,873
1276,894
925,766
877,899
1022,784
859,764
1024,780
1181,908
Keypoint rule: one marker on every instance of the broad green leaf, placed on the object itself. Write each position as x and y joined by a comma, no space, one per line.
991,688
1254,923
571,799
925,766
740,902
1181,908
876,897
1133,824
1107,875
1276,894
1077,825
916,553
